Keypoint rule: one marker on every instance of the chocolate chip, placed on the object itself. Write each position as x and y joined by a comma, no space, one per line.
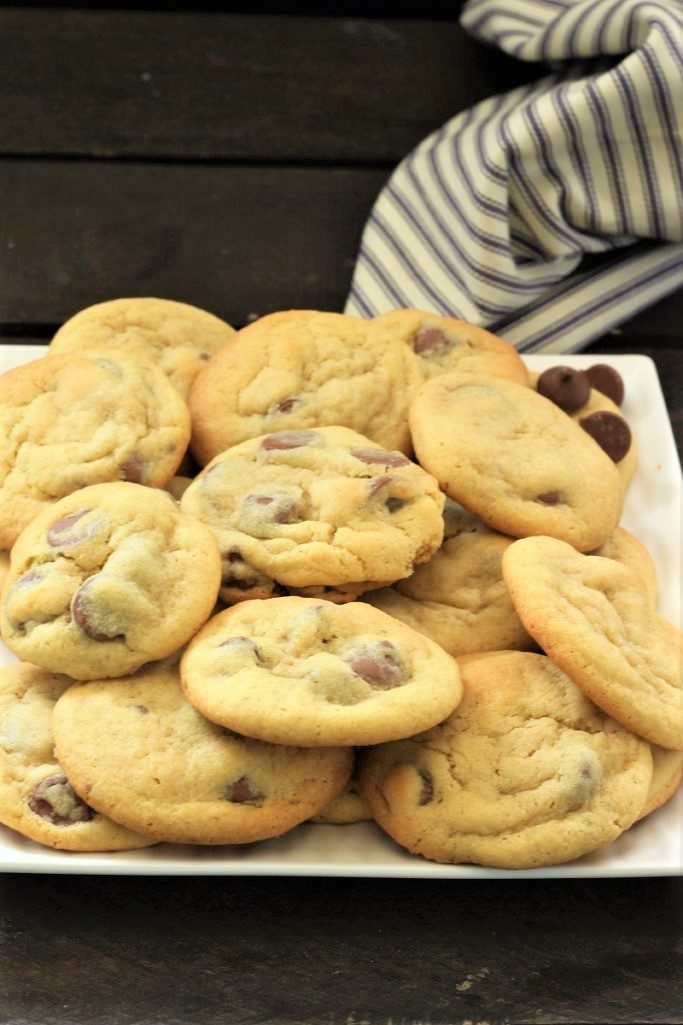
243,791
284,506
393,502
427,790
54,799
33,576
567,388
431,342
282,440
234,555
82,609
548,498
286,406
378,664
605,379
259,499
380,456
245,643
133,470
378,483
611,432
61,533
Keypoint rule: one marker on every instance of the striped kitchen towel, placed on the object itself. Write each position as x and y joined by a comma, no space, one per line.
490,218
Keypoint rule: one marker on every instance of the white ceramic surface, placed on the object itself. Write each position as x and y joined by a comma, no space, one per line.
653,847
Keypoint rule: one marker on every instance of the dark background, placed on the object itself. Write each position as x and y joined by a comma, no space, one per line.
227,156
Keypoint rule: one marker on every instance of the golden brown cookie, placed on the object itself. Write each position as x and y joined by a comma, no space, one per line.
444,344
298,370
178,337
69,421
515,459
36,797
526,772
106,579
594,617
304,671
459,597
322,509
137,748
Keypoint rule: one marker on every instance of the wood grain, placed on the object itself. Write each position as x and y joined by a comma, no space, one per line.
237,241
137,84
122,951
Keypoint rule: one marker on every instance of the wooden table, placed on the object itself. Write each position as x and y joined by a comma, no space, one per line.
230,160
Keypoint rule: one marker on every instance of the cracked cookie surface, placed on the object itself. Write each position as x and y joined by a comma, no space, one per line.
178,337
302,369
515,459
459,597
106,579
137,750
324,509
526,772
302,671
444,344
596,620
67,422
36,798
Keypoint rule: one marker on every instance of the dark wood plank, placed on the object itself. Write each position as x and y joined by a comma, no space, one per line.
210,85
240,241
121,951
435,9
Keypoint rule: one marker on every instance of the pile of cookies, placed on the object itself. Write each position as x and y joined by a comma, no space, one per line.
324,568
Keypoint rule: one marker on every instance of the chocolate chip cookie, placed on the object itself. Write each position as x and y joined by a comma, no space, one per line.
595,618
526,772
106,579
178,337
312,511
300,671
298,370
36,797
136,750
459,597
443,344
70,421
515,459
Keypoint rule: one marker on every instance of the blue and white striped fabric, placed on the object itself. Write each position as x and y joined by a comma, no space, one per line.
490,217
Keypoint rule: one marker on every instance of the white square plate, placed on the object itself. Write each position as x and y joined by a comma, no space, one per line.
653,847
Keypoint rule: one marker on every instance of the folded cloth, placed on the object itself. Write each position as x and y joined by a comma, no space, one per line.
490,218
